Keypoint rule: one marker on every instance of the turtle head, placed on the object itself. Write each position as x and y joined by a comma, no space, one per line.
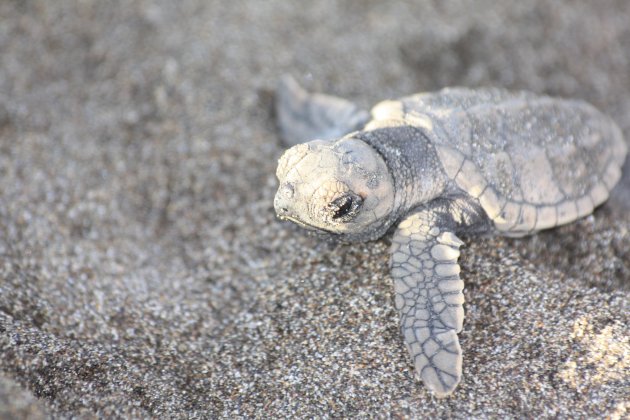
341,188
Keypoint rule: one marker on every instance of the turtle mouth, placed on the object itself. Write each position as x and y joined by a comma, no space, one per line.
305,225
298,222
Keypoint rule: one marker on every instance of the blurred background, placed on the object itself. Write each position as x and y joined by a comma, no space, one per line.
143,272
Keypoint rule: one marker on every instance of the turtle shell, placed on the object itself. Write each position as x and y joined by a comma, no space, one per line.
532,162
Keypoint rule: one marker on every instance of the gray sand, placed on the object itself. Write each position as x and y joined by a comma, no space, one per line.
143,272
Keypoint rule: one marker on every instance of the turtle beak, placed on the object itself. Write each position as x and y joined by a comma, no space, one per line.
283,204
283,213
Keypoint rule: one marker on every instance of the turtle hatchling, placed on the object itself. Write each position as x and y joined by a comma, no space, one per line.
433,167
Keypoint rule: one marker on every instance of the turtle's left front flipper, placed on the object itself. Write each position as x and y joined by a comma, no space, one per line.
429,297
304,116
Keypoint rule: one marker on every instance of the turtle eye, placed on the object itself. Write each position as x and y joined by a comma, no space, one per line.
345,206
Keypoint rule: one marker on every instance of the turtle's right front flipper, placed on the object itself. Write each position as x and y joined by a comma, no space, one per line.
429,297
304,116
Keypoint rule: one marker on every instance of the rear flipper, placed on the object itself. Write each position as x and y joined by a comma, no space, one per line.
304,116
429,297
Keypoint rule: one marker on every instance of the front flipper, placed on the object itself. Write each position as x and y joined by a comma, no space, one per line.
304,116
429,298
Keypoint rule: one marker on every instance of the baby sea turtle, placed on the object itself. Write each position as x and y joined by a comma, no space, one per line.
434,166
